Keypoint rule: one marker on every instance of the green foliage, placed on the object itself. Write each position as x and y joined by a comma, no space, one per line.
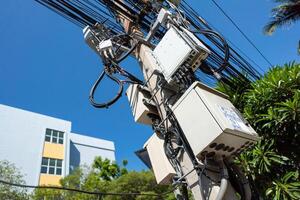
114,179
285,188
261,159
47,194
272,106
133,182
236,91
9,173
109,170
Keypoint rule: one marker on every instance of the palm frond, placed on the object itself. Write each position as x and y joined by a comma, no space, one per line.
287,1
284,14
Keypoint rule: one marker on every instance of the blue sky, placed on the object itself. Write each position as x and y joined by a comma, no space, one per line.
46,67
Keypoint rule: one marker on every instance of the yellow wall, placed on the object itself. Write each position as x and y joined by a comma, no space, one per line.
52,150
56,151
49,179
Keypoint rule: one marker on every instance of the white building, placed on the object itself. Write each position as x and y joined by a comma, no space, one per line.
43,147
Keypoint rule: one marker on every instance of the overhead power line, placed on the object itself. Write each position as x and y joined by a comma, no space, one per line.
89,12
232,43
241,31
241,51
85,191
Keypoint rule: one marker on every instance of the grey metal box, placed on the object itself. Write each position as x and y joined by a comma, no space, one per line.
163,170
211,124
139,110
178,48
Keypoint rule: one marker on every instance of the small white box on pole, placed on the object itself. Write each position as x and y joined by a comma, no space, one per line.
161,166
137,96
179,49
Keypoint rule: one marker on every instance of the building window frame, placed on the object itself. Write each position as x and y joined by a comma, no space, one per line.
54,136
51,166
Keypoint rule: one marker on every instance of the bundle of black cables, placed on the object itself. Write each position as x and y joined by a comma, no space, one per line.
109,71
225,47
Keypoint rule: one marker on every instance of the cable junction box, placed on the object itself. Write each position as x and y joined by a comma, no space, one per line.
211,124
179,49
138,97
163,170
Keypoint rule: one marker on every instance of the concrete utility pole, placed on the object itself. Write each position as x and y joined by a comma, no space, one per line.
209,187
197,130
196,133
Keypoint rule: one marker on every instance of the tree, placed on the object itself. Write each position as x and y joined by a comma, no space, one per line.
107,177
134,182
272,106
286,13
109,170
9,173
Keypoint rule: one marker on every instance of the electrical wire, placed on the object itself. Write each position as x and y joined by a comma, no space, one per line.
235,179
94,87
200,179
85,191
242,32
112,66
107,71
199,23
225,46
132,79
88,12
185,144
237,65
127,53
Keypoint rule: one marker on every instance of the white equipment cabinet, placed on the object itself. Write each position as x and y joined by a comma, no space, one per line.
137,95
163,170
211,124
179,49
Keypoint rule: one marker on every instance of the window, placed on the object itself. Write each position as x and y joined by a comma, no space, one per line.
54,136
51,166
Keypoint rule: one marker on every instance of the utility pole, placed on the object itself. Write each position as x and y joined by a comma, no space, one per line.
197,130
148,66
209,187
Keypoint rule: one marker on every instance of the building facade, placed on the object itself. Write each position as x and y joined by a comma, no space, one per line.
44,148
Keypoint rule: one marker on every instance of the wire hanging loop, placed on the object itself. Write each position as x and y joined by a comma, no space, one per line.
109,73
225,46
